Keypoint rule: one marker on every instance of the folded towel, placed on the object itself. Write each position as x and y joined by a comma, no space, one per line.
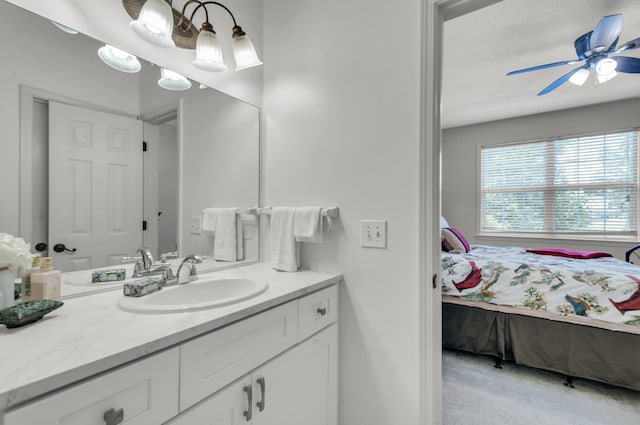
209,219
307,224
285,252
225,244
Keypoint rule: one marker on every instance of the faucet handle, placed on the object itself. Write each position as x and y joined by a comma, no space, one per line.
168,256
134,259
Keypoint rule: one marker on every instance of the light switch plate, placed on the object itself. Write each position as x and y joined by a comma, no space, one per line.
196,226
373,233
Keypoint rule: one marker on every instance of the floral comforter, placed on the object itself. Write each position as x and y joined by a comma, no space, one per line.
606,288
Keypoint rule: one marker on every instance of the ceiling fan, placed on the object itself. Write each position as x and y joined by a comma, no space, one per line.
596,49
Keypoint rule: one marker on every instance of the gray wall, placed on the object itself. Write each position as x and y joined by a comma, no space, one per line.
460,153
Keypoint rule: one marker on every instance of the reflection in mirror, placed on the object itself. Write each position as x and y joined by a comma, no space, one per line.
202,151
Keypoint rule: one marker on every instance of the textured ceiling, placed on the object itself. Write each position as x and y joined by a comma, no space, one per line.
481,47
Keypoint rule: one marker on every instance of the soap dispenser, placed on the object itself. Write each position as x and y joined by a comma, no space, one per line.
25,290
45,283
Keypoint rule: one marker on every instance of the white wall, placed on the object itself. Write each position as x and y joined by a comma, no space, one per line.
460,163
341,100
40,58
168,184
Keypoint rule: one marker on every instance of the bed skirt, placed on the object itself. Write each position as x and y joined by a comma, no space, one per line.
573,346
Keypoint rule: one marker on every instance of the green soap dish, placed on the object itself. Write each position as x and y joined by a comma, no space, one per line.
28,312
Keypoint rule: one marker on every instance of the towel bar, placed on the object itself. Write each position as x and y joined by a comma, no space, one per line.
331,212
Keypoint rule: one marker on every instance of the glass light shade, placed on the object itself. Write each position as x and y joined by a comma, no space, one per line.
606,66
603,78
155,23
119,59
173,81
579,77
244,53
208,52
64,28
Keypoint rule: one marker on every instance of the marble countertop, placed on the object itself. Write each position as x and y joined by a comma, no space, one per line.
89,335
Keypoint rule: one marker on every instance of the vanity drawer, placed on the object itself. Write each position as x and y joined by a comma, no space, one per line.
144,392
317,310
214,360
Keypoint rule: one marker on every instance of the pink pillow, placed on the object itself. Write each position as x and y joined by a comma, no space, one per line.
569,253
454,241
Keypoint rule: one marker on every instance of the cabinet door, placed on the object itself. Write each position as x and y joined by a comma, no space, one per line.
300,386
214,360
226,407
142,393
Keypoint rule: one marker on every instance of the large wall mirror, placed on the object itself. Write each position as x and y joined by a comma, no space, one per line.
203,151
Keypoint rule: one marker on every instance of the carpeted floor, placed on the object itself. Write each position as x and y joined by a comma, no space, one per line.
476,393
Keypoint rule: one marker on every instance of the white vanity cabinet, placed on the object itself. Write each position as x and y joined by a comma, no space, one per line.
297,387
278,366
144,392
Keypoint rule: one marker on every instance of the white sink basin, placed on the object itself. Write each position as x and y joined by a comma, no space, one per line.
197,295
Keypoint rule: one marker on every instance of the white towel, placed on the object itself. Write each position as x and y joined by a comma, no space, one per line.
225,244
285,252
307,224
209,219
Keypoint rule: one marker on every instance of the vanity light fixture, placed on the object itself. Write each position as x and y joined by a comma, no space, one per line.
171,80
119,59
151,19
155,23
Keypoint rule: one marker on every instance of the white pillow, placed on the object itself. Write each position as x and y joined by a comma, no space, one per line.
443,223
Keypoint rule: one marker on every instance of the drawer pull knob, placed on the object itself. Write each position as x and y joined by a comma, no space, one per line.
262,385
113,417
247,413
322,311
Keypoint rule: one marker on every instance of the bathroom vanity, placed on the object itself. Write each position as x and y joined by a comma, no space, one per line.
270,359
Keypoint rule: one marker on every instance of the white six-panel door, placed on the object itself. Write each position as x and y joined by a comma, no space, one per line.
95,186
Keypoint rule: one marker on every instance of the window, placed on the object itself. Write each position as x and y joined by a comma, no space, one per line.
578,185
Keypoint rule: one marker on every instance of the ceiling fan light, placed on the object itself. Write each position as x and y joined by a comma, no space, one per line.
579,77
155,23
209,52
606,66
603,78
119,59
171,80
244,53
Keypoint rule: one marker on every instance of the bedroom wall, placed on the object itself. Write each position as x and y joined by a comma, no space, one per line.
460,153
341,123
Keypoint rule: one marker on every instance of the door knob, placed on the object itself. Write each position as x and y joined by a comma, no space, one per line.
41,247
59,247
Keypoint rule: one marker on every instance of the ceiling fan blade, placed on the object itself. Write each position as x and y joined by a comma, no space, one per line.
627,64
633,44
606,33
557,83
545,66
583,45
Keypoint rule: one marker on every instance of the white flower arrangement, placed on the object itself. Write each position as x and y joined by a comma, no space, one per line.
14,252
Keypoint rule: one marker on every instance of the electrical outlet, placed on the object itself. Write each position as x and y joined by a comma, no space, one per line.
373,233
196,226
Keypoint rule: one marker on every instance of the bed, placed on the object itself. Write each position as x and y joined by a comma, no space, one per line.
576,316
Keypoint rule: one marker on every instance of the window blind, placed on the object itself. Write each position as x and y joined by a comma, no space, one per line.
576,185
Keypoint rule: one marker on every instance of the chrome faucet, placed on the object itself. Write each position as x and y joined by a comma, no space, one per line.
145,266
188,273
